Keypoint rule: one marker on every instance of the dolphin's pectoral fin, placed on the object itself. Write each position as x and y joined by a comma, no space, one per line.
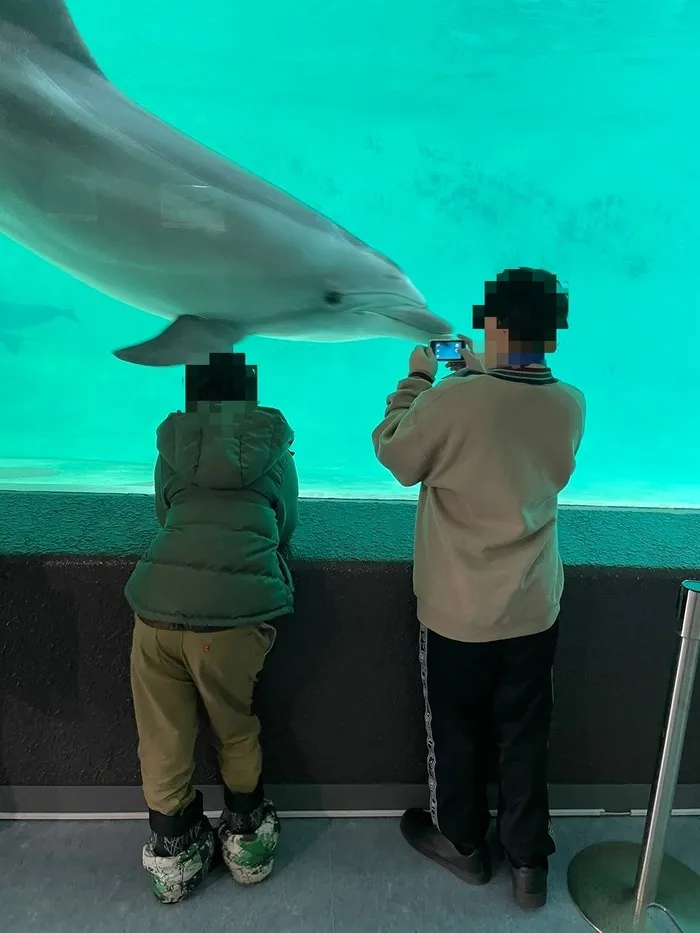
187,340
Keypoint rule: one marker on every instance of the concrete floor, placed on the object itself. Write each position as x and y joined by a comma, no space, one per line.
333,876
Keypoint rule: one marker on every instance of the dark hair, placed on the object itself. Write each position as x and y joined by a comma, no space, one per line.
530,303
226,378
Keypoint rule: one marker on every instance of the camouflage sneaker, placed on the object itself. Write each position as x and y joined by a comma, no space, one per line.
250,856
174,877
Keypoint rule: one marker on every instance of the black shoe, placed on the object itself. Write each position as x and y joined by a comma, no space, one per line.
529,884
419,832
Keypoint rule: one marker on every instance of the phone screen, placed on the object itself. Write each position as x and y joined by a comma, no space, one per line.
447,350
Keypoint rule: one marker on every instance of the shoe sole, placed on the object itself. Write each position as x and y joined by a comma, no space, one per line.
469,877
528,901
247,877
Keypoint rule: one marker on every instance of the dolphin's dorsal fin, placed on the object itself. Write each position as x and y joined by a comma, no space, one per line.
50,22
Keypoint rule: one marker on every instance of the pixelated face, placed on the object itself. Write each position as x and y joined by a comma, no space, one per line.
528,286
501,349
222,387
222,413
520,305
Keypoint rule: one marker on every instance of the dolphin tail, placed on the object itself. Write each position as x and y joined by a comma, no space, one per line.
187,340
50,23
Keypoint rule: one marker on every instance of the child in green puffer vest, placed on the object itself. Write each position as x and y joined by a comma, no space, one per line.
205,597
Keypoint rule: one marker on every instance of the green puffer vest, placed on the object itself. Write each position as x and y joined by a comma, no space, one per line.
226,497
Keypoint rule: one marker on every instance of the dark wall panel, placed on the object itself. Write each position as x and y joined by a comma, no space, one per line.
340,697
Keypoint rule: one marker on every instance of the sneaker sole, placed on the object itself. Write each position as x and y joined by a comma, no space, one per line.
469,877
248,876
528,901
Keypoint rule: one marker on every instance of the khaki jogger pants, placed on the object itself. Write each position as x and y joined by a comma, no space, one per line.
169,669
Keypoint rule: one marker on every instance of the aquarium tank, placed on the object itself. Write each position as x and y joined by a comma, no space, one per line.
457,137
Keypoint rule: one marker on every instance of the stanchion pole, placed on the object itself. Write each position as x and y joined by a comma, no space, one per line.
613,884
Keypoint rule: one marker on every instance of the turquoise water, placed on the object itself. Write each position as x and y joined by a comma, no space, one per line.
457,137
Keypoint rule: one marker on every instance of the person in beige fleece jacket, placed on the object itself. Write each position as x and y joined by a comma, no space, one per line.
492,446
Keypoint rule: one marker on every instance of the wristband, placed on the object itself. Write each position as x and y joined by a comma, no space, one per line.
417,375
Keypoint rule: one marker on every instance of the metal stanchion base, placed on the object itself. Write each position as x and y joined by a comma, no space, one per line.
601,883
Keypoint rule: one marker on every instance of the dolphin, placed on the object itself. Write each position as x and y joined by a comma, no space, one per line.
117,198
16,316
19,317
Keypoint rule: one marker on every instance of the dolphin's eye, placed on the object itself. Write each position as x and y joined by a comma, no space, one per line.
332,298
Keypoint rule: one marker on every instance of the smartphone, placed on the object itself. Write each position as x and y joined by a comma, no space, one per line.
446,351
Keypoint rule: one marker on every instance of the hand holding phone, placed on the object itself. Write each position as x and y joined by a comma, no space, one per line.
472,360
447,351
458,353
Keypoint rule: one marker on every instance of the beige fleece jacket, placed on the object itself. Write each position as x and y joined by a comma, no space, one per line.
492,451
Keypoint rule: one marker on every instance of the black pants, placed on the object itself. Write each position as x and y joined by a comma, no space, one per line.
486,700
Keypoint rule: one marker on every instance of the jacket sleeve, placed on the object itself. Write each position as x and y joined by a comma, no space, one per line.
410,435
286,509
162,503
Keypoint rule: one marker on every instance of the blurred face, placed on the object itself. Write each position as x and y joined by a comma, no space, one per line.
221,412
497,347
499,350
